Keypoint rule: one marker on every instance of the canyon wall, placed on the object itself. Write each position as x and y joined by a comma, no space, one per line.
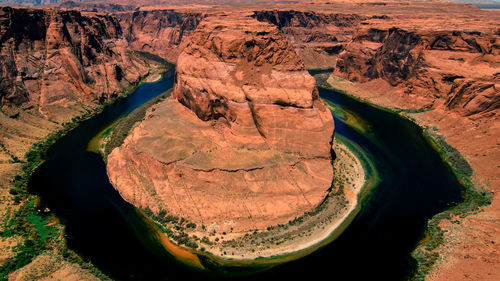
458,69
317,38
96,7
452,66
244,144
161,32
56,63
432,55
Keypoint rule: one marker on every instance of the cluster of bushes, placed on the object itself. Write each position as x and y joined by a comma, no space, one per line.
27,222
451,154
295,221
410,110
474,196
32,226
179,236
13,158
183,238
207,241
163,217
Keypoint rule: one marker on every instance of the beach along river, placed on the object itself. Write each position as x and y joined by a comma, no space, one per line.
412,185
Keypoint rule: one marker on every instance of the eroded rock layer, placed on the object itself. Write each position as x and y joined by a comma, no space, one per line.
457,70
413,51
161,32
244,143
56,63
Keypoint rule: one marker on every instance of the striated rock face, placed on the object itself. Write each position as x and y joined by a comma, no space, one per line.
253,75
55,63
390,54
97,7
437,65
443,54
318,38
161,32
244,143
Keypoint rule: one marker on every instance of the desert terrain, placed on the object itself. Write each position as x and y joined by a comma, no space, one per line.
434,61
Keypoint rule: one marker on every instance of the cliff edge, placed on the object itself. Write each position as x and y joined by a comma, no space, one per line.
245,142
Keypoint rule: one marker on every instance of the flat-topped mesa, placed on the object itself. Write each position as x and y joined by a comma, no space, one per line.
243,71
244,144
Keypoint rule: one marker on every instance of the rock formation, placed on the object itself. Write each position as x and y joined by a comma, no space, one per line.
406,54
244,143
435,65
56,63
317,38
450,62
161,32
97,7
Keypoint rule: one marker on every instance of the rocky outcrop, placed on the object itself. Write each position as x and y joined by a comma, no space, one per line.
253,75
389,54
161,32
291,18
436,65
244,143
412,48
96,7
317,37
57,63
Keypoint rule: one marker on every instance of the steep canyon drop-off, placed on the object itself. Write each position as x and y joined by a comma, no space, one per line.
245,143
435,56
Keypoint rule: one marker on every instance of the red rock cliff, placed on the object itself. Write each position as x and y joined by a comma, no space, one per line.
443,54
455,68
161,32
245,144
317,38
252,74
58,62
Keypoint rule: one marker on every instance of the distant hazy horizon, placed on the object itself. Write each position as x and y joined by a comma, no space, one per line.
483,4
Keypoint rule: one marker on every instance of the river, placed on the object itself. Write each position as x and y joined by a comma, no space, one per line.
414,184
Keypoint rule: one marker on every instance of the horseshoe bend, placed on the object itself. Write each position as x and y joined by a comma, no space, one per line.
244,143
209,139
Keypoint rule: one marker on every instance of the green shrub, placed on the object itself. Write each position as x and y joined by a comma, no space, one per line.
14,191
191,244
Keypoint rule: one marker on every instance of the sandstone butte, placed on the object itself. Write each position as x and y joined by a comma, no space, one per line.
245,142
